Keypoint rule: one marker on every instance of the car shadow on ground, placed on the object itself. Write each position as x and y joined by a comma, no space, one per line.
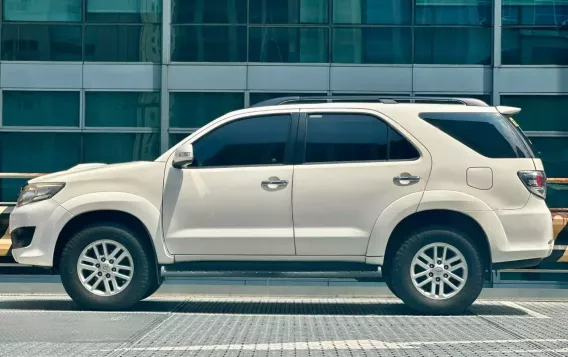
259,306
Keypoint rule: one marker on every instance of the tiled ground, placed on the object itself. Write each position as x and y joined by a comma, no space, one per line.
226,327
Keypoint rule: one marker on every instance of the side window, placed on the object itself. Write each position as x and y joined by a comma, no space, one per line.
246,142
489,134
353,137
400,148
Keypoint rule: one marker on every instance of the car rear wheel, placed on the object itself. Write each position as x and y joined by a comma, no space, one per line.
105,267
438,271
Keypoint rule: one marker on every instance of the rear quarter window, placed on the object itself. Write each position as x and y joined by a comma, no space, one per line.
489,134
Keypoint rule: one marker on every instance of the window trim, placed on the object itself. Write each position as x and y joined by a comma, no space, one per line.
288,151
300,157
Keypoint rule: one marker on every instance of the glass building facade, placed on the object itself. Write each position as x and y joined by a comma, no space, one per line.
121,80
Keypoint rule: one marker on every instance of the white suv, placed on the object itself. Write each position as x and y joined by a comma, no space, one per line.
431,196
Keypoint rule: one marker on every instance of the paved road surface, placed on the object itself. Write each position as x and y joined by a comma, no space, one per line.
265,326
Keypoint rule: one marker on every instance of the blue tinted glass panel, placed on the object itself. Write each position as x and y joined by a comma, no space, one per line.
122,109
535,46
288,11
288,45
42,10
484,97
209,43
31,108
137,11
35,152
381,12
114,148
176,138
123,43
539,112
447,45
372,45
535,12
193,110
554,155
259,97
39,152
209,11
454,12
41,42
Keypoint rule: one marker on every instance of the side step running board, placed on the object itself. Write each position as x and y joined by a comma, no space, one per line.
375,275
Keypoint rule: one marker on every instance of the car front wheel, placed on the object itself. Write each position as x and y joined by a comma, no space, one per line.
105,267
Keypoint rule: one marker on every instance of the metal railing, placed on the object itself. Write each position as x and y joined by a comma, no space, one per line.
17,175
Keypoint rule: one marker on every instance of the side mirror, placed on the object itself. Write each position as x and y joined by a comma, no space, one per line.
183,157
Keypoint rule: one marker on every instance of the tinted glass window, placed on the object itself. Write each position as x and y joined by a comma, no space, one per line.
209,11
452,45
39,108
383,12
489,134
35,152
345,137
296,44
194,110
259,97
42,10
122,109
41,42
539,112
372,45
288,11
534,46
554,155
123,43
535,12
400,148
454,12
114,148
137,11
209,43
253,141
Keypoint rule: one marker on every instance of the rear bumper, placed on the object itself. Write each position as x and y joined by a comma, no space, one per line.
521,237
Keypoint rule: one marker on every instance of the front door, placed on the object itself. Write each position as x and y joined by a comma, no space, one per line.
354,165
236,199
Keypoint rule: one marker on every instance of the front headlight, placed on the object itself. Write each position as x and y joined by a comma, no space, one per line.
38,192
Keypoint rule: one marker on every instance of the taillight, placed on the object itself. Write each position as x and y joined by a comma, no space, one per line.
535,182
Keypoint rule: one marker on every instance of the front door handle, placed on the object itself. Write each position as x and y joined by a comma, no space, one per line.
274,182
405,179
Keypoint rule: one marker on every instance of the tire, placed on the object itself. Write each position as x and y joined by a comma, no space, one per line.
153,288
388,281
126,292
421,299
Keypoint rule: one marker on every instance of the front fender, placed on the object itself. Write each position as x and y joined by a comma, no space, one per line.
135,205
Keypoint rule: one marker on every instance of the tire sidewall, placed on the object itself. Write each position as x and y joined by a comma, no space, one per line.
402,281
136,289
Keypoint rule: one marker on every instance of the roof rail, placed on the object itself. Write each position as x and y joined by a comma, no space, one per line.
369,98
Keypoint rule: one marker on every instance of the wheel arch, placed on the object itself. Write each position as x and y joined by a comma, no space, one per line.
130,210
86,219
437,217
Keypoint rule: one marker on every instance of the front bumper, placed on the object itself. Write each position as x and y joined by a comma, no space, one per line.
48,218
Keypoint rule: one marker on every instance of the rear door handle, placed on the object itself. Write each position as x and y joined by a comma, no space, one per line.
405,179
274,183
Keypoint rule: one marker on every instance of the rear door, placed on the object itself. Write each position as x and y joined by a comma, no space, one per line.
352,165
